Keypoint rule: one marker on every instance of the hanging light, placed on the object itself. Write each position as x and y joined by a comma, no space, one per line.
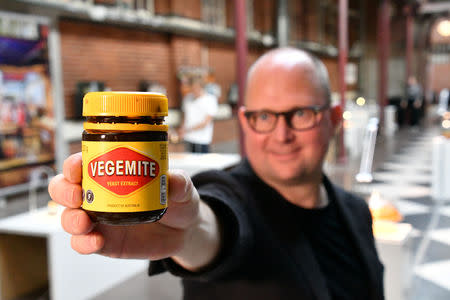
347,115
360,101
443,28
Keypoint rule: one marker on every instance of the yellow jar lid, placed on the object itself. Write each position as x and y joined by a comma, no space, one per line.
130,104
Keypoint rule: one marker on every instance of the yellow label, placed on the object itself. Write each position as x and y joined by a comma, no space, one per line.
124,176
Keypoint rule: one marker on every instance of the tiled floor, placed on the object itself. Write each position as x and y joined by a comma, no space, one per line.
405,179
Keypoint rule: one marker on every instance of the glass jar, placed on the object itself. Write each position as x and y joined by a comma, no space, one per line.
125,161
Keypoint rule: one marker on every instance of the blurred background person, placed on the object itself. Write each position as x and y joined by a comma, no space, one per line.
414,98
199,109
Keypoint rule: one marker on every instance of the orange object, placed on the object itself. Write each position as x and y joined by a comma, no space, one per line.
382,209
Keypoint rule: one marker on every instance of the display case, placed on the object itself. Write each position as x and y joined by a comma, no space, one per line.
27,126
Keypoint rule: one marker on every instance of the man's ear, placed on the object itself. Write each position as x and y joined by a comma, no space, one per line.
241,116
336,115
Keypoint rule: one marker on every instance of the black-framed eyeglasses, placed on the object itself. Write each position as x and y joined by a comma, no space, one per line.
298,118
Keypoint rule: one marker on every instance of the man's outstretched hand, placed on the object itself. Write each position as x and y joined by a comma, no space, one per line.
188,232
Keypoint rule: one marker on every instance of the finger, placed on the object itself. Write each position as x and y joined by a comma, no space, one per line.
183,204
72,168
147,241
64,192
76,221
89,243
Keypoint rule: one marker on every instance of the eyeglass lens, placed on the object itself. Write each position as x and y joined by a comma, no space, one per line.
297,119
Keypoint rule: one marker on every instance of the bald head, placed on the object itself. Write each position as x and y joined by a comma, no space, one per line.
294,64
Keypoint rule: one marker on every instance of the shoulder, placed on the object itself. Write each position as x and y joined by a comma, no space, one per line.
355,204
351,200
234,186
231,179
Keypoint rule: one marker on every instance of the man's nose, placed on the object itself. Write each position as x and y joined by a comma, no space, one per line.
282,131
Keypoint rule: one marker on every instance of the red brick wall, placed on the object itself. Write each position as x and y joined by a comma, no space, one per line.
264,15
296,21
229,13
439,76
370,27
120,57
264,12
225,130
333,72
162,7
184,8
330,19
304,22
222,59
187,8
332,66
439,72
186,51
310,15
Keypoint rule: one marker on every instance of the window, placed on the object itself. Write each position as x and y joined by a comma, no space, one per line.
146,5
249,7
213,12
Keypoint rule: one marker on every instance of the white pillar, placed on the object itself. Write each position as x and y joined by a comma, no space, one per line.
283,23
54,49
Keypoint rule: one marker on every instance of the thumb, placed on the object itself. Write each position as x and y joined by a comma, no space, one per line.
181,187
184,201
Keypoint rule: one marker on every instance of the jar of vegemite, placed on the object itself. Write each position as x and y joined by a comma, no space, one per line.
125,163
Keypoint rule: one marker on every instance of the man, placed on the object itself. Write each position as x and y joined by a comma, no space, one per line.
274,227
414,98
199,109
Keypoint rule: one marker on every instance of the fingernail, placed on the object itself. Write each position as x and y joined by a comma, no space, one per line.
96,242
186,181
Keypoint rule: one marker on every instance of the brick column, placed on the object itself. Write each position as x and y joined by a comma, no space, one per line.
241,52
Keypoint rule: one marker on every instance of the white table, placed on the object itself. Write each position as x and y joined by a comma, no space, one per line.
193,163
70,275
394,250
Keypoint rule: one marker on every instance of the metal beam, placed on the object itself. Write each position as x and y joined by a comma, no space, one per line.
342,62
283,23
434,8
131,18
383,33
409,41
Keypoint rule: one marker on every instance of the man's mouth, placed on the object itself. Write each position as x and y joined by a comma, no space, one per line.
285,154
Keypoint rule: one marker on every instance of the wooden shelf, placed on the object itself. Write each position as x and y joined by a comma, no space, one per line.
25,161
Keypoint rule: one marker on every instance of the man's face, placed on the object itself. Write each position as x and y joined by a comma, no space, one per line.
286,156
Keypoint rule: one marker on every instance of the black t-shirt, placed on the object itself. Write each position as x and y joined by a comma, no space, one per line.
335,251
